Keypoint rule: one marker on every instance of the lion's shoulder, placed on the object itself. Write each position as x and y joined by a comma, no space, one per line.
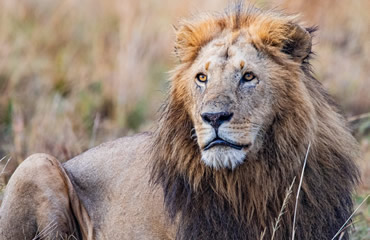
124,144
108,166
112,180
109,158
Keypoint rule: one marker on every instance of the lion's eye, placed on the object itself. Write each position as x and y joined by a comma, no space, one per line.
202,77
248,76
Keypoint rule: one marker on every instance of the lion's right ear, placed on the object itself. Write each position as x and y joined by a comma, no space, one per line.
191,36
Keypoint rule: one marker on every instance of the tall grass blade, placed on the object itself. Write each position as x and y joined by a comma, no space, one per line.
299,189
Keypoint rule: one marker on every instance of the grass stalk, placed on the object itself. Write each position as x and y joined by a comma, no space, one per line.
299,190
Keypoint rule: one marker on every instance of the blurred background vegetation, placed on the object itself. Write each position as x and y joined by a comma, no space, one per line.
75,73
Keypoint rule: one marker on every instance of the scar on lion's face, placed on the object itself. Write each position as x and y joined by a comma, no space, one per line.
207,65
242,63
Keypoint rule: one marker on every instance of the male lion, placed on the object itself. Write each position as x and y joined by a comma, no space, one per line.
243,109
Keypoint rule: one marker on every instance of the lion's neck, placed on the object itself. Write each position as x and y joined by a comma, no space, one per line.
208,212
221,204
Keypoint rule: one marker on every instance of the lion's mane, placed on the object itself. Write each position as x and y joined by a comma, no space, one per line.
242,203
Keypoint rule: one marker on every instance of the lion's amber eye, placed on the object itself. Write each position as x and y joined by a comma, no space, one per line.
202,77
249,76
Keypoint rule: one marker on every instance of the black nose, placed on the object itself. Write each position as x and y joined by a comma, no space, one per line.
216,119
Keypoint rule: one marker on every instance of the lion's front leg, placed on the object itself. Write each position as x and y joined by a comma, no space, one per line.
40,203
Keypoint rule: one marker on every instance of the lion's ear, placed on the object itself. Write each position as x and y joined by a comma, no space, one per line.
191,36
299,42
287,37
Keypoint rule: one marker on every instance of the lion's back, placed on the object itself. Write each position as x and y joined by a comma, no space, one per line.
112,181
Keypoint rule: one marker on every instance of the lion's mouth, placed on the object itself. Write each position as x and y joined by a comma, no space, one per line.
220,142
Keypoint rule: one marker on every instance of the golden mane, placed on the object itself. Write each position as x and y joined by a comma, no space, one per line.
242,203
270,32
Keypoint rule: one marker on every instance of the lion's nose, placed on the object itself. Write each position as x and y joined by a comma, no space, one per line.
216,119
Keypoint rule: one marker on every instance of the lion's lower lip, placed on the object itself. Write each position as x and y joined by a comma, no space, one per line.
219,141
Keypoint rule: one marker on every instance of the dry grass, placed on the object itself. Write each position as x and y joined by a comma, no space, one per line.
75,73
276,226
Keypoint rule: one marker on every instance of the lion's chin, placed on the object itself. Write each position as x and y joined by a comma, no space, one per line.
223,157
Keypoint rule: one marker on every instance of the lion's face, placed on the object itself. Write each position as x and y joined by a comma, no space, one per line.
231,99
235,78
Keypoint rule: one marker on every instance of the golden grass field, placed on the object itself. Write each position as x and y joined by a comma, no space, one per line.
75,73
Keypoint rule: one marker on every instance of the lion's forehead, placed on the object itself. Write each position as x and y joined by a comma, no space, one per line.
225,53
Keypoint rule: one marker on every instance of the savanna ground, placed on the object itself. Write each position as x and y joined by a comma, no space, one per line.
76,73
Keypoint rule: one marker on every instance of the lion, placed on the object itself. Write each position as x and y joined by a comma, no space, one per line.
242,113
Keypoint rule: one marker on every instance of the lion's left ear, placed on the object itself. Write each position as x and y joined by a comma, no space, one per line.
298,43
282,36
